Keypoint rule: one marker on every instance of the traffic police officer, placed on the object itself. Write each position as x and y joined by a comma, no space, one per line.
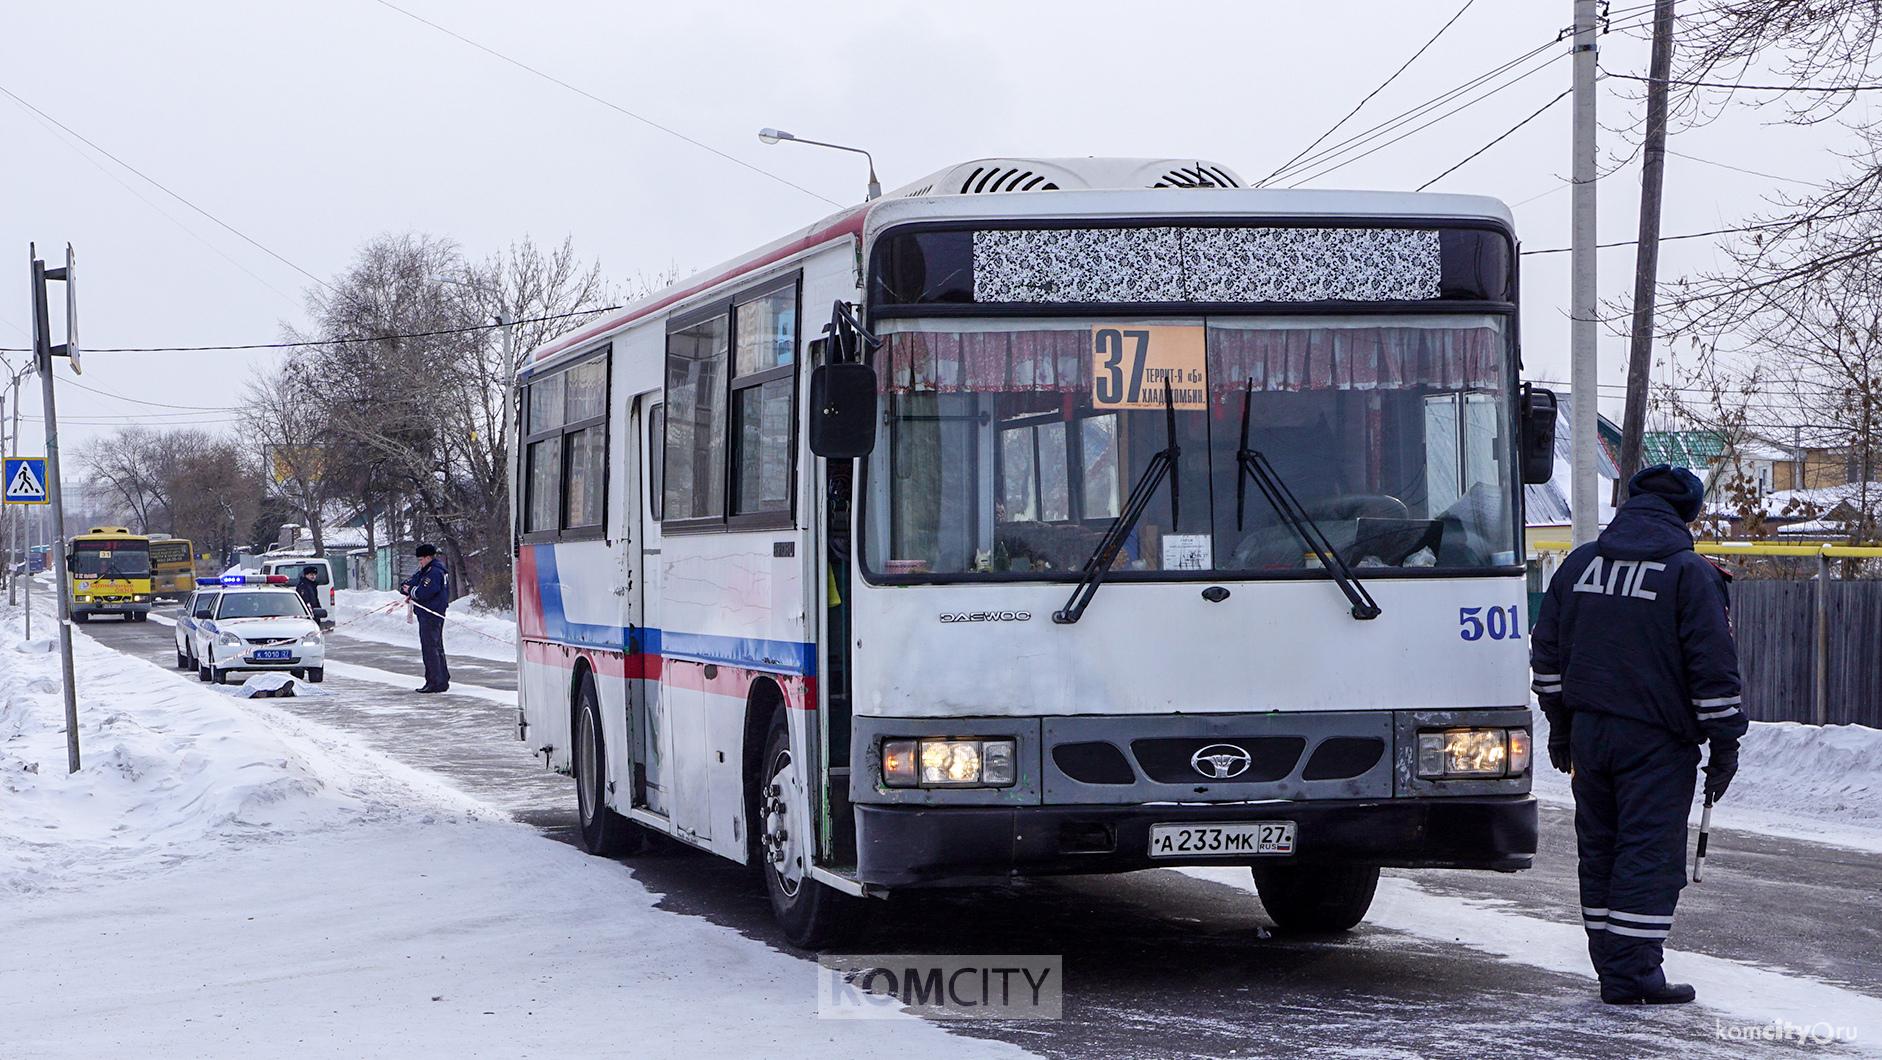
1635,667
428,589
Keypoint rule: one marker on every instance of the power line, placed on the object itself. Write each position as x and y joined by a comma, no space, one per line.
1742,169
1364,136
1538,113
141,197
1460,108
1368,97
1359,139
142,401
334,342
160,186
644,120
1682,235
1748,88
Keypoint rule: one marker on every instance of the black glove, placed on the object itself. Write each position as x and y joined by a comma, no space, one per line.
1721,767
1560,723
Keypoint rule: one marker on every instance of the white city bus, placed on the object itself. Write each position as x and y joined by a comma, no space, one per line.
1121,516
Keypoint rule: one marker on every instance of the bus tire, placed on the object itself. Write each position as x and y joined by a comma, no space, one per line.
813,915
316,674
139,616
80,616
1316,898
604,833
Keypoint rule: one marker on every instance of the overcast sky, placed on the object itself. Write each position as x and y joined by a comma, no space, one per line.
313,127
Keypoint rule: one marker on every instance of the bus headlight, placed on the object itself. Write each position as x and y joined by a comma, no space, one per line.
1473,753
971,763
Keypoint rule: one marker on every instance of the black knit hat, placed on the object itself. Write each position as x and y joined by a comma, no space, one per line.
1676,485
426,549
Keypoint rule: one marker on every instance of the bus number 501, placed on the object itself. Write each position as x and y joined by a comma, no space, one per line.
1500,623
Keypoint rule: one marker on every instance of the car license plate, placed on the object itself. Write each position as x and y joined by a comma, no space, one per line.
1221,840
274,653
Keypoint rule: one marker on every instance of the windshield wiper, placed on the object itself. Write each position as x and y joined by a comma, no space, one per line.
1161,465
1256,466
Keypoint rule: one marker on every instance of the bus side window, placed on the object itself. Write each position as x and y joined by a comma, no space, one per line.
657,461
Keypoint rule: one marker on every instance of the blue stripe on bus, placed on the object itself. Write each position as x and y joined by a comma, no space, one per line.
752,653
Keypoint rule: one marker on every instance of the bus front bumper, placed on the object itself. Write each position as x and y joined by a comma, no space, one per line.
111,605
904,846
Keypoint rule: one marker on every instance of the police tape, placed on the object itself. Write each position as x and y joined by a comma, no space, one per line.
1751,548
460,623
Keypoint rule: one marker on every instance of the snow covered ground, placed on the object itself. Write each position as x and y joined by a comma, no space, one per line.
369,614
1820,783
225,879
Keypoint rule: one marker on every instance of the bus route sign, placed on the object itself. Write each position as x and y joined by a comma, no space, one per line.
26,480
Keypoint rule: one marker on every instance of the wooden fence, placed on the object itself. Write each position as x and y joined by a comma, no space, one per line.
1785,646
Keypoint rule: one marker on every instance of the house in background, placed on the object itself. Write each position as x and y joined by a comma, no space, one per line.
1546,505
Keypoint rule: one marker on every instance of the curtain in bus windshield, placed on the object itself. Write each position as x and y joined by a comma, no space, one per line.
1012,444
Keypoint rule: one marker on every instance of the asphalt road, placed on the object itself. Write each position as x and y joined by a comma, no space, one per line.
1161,964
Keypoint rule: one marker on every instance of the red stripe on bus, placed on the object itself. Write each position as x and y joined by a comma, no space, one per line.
800,692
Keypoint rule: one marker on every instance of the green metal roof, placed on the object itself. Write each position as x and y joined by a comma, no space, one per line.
1694,449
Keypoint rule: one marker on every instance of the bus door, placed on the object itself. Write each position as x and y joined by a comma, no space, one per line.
653,741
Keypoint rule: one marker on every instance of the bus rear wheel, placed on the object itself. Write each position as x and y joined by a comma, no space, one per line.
812,914
1316,898
604,832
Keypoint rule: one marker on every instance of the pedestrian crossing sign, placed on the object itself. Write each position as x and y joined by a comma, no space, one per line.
26,480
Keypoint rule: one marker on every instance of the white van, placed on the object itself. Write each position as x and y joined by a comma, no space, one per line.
292,567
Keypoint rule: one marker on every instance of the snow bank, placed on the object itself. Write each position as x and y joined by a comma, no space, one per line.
470,629
225,879
1816,782
173,770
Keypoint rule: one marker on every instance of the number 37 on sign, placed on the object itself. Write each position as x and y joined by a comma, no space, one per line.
1130,364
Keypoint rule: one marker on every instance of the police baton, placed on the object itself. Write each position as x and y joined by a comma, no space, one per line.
1705,831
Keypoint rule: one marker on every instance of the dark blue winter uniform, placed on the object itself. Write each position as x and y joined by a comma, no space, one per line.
1634,664
429,588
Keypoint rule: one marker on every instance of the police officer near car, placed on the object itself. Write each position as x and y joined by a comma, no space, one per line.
429,591
1635,667
308,586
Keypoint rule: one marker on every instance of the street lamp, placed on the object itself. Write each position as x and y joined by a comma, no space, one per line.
772,136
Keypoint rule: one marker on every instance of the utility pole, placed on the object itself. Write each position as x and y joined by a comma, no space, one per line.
43,353
1647,253
1584,378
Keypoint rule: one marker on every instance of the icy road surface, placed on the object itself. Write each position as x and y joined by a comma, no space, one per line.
1162,963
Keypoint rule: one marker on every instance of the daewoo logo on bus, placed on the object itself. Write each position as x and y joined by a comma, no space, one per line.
986,616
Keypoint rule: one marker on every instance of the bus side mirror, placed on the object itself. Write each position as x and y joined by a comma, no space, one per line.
1537,434
842,410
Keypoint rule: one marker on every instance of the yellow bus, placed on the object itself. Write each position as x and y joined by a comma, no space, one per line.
172,566
110,573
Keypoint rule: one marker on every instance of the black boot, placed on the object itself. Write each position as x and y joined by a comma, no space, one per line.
1665,994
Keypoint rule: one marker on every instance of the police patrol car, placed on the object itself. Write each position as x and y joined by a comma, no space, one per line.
249,622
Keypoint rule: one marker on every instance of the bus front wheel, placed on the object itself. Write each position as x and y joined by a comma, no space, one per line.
1316,898
812,914
604,832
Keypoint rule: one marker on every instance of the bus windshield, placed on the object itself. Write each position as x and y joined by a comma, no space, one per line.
1011,444
111,559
